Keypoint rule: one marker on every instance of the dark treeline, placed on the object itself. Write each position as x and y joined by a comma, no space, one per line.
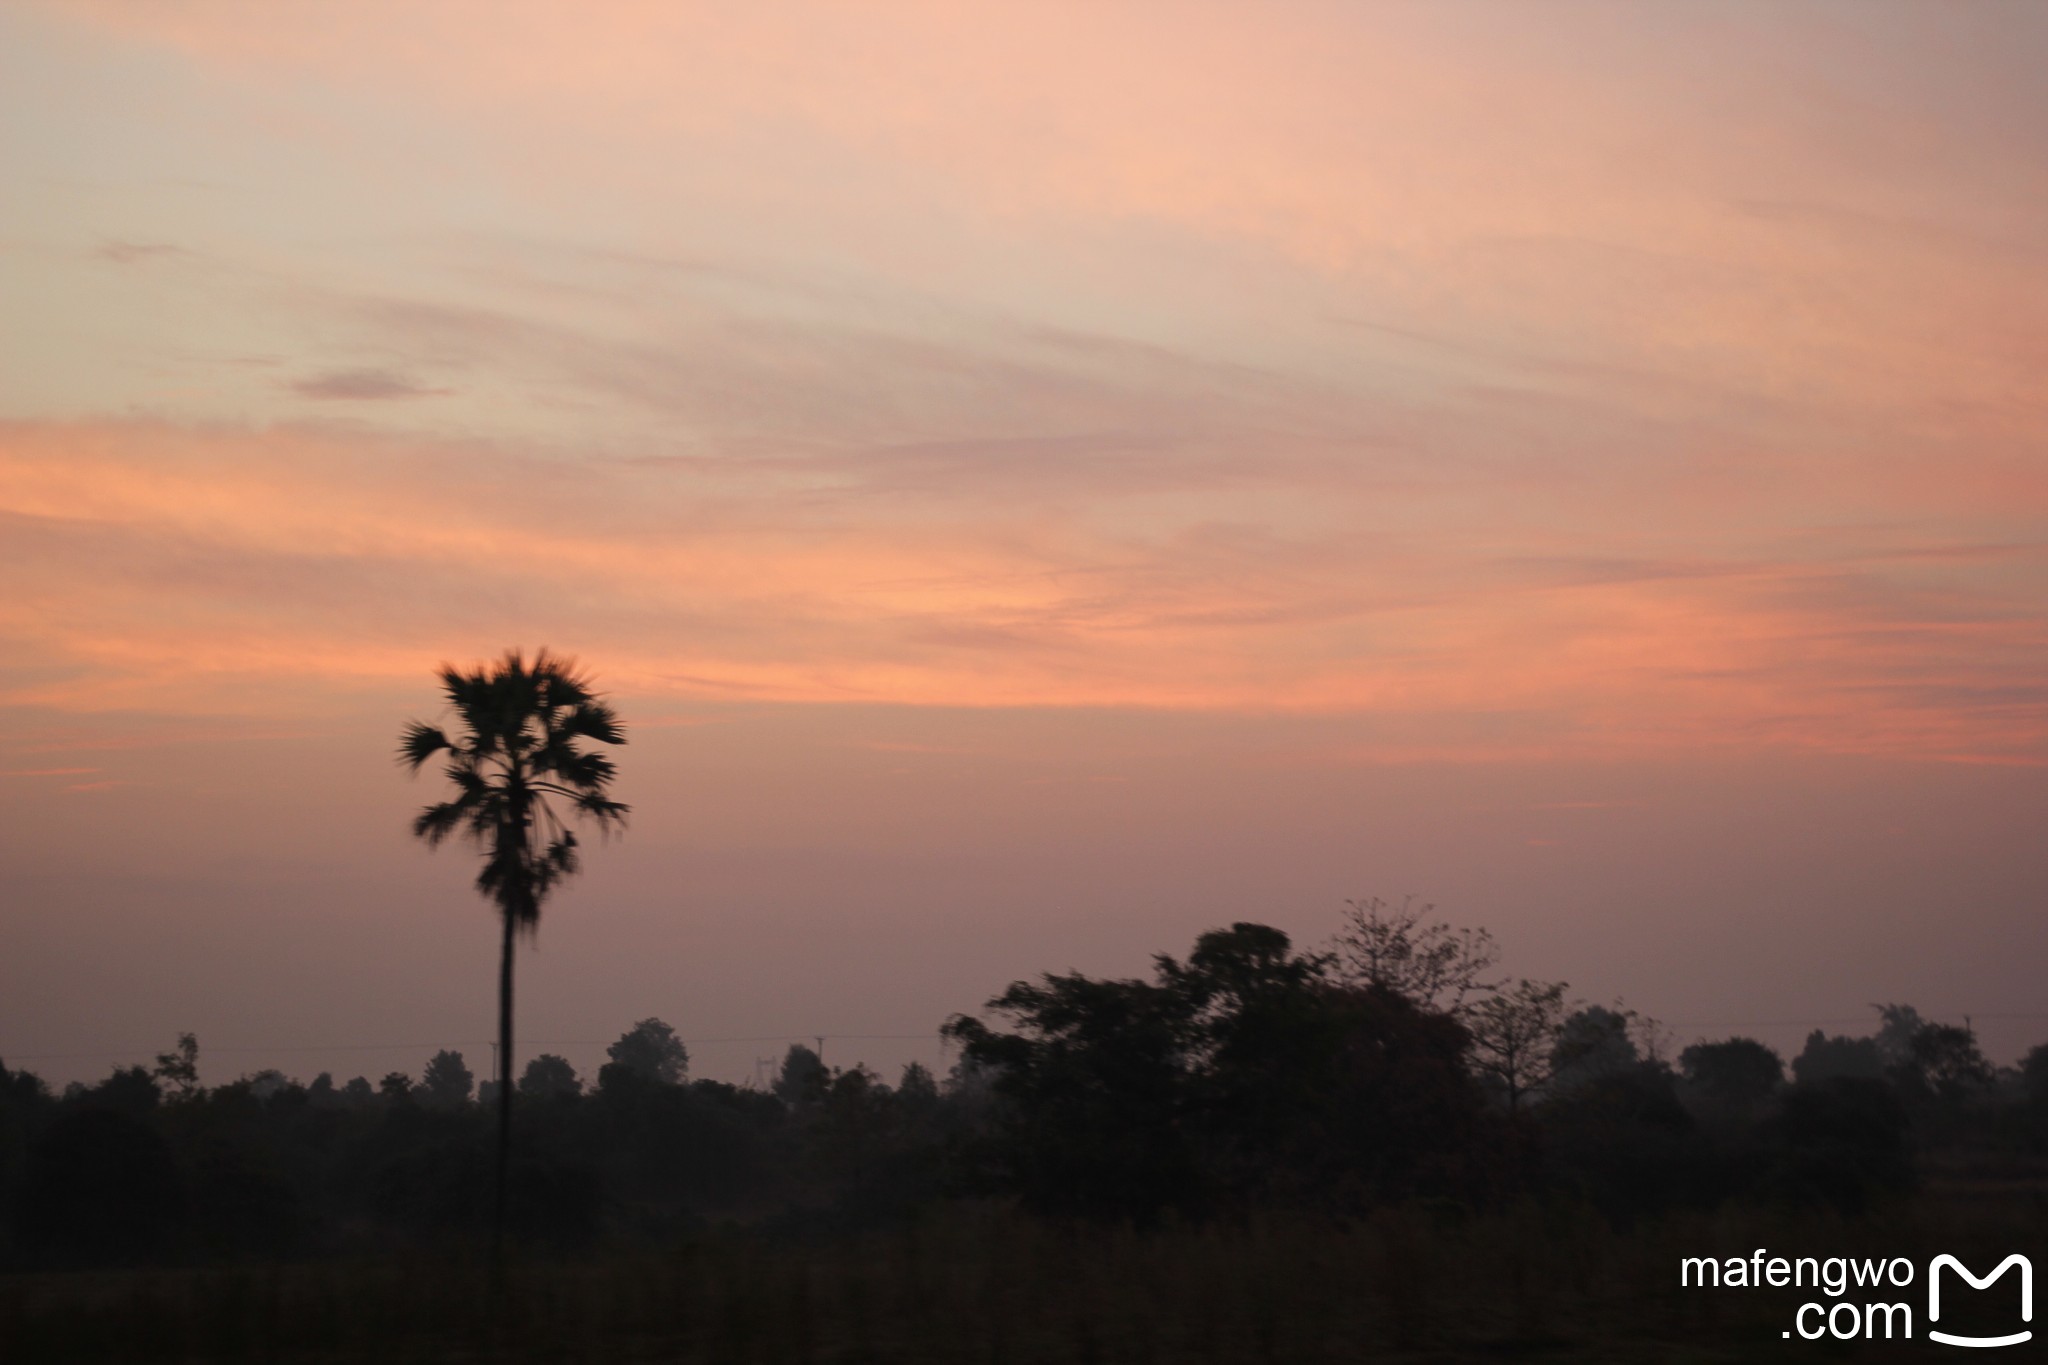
1390,1071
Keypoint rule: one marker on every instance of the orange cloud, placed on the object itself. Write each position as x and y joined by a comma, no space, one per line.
1586,185
1547,384
208,571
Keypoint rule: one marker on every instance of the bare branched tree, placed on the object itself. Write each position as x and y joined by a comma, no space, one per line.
1514,1037
1408,951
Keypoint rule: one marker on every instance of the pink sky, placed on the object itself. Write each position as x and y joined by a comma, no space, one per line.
1038,483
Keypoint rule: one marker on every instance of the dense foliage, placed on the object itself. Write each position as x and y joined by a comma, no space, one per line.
1249,1077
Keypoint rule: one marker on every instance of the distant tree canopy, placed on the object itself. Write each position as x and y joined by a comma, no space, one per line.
802,1079
1245,1072
549,1077
447,1082
2034,1075
1408,952
1828,1057
1897,1027
179,1068
916,1086
1942,1062
1514,1038
652,1052
1594,1043
1248,1075
1739,1071
1841,1141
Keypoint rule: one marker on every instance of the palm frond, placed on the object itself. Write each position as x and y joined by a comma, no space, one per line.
594,720
515,747
437,822
604,810
602,807
419,743
562,856
585,772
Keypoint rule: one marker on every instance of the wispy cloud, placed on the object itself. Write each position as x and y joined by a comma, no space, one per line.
299,559
364,385
127,253
1321,361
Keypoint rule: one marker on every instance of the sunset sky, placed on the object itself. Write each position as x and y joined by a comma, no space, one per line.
1037,482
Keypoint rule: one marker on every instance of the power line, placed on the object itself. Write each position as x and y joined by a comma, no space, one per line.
1805,1023
475,1042
797,1036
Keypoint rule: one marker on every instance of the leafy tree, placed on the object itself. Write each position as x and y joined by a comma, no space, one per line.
1616,1133
395,1087
1943,1062
1243,1073
1093,1085
516,753
969,1081
1740,1073
1593,1043
1828,1057
803,1079
549,1076
1897,1026
916,1088
447,1082
1421,959
651,1049
129,1090
1515,1033
1840,1141
266,1083
2034,1075
179,1068
103,1188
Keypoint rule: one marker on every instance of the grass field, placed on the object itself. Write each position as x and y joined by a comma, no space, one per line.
986,1285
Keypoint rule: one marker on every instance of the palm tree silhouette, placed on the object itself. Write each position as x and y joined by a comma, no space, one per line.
516,749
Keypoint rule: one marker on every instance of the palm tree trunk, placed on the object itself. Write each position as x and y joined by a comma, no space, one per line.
504,1091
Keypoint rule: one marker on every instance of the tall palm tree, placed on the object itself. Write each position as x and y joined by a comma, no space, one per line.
515,754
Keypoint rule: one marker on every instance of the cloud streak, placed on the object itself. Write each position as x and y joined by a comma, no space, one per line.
1552,387
370,385
152,557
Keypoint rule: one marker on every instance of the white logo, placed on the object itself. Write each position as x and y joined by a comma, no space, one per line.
2026,1298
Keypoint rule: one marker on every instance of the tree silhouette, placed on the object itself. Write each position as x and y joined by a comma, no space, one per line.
1514,1032
447,1082
179,1068
549,1076
1825,1058
803,1079
517,752
2034,1075
1593,1043
1418,957
1740,1073
652,1049
1241,1076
